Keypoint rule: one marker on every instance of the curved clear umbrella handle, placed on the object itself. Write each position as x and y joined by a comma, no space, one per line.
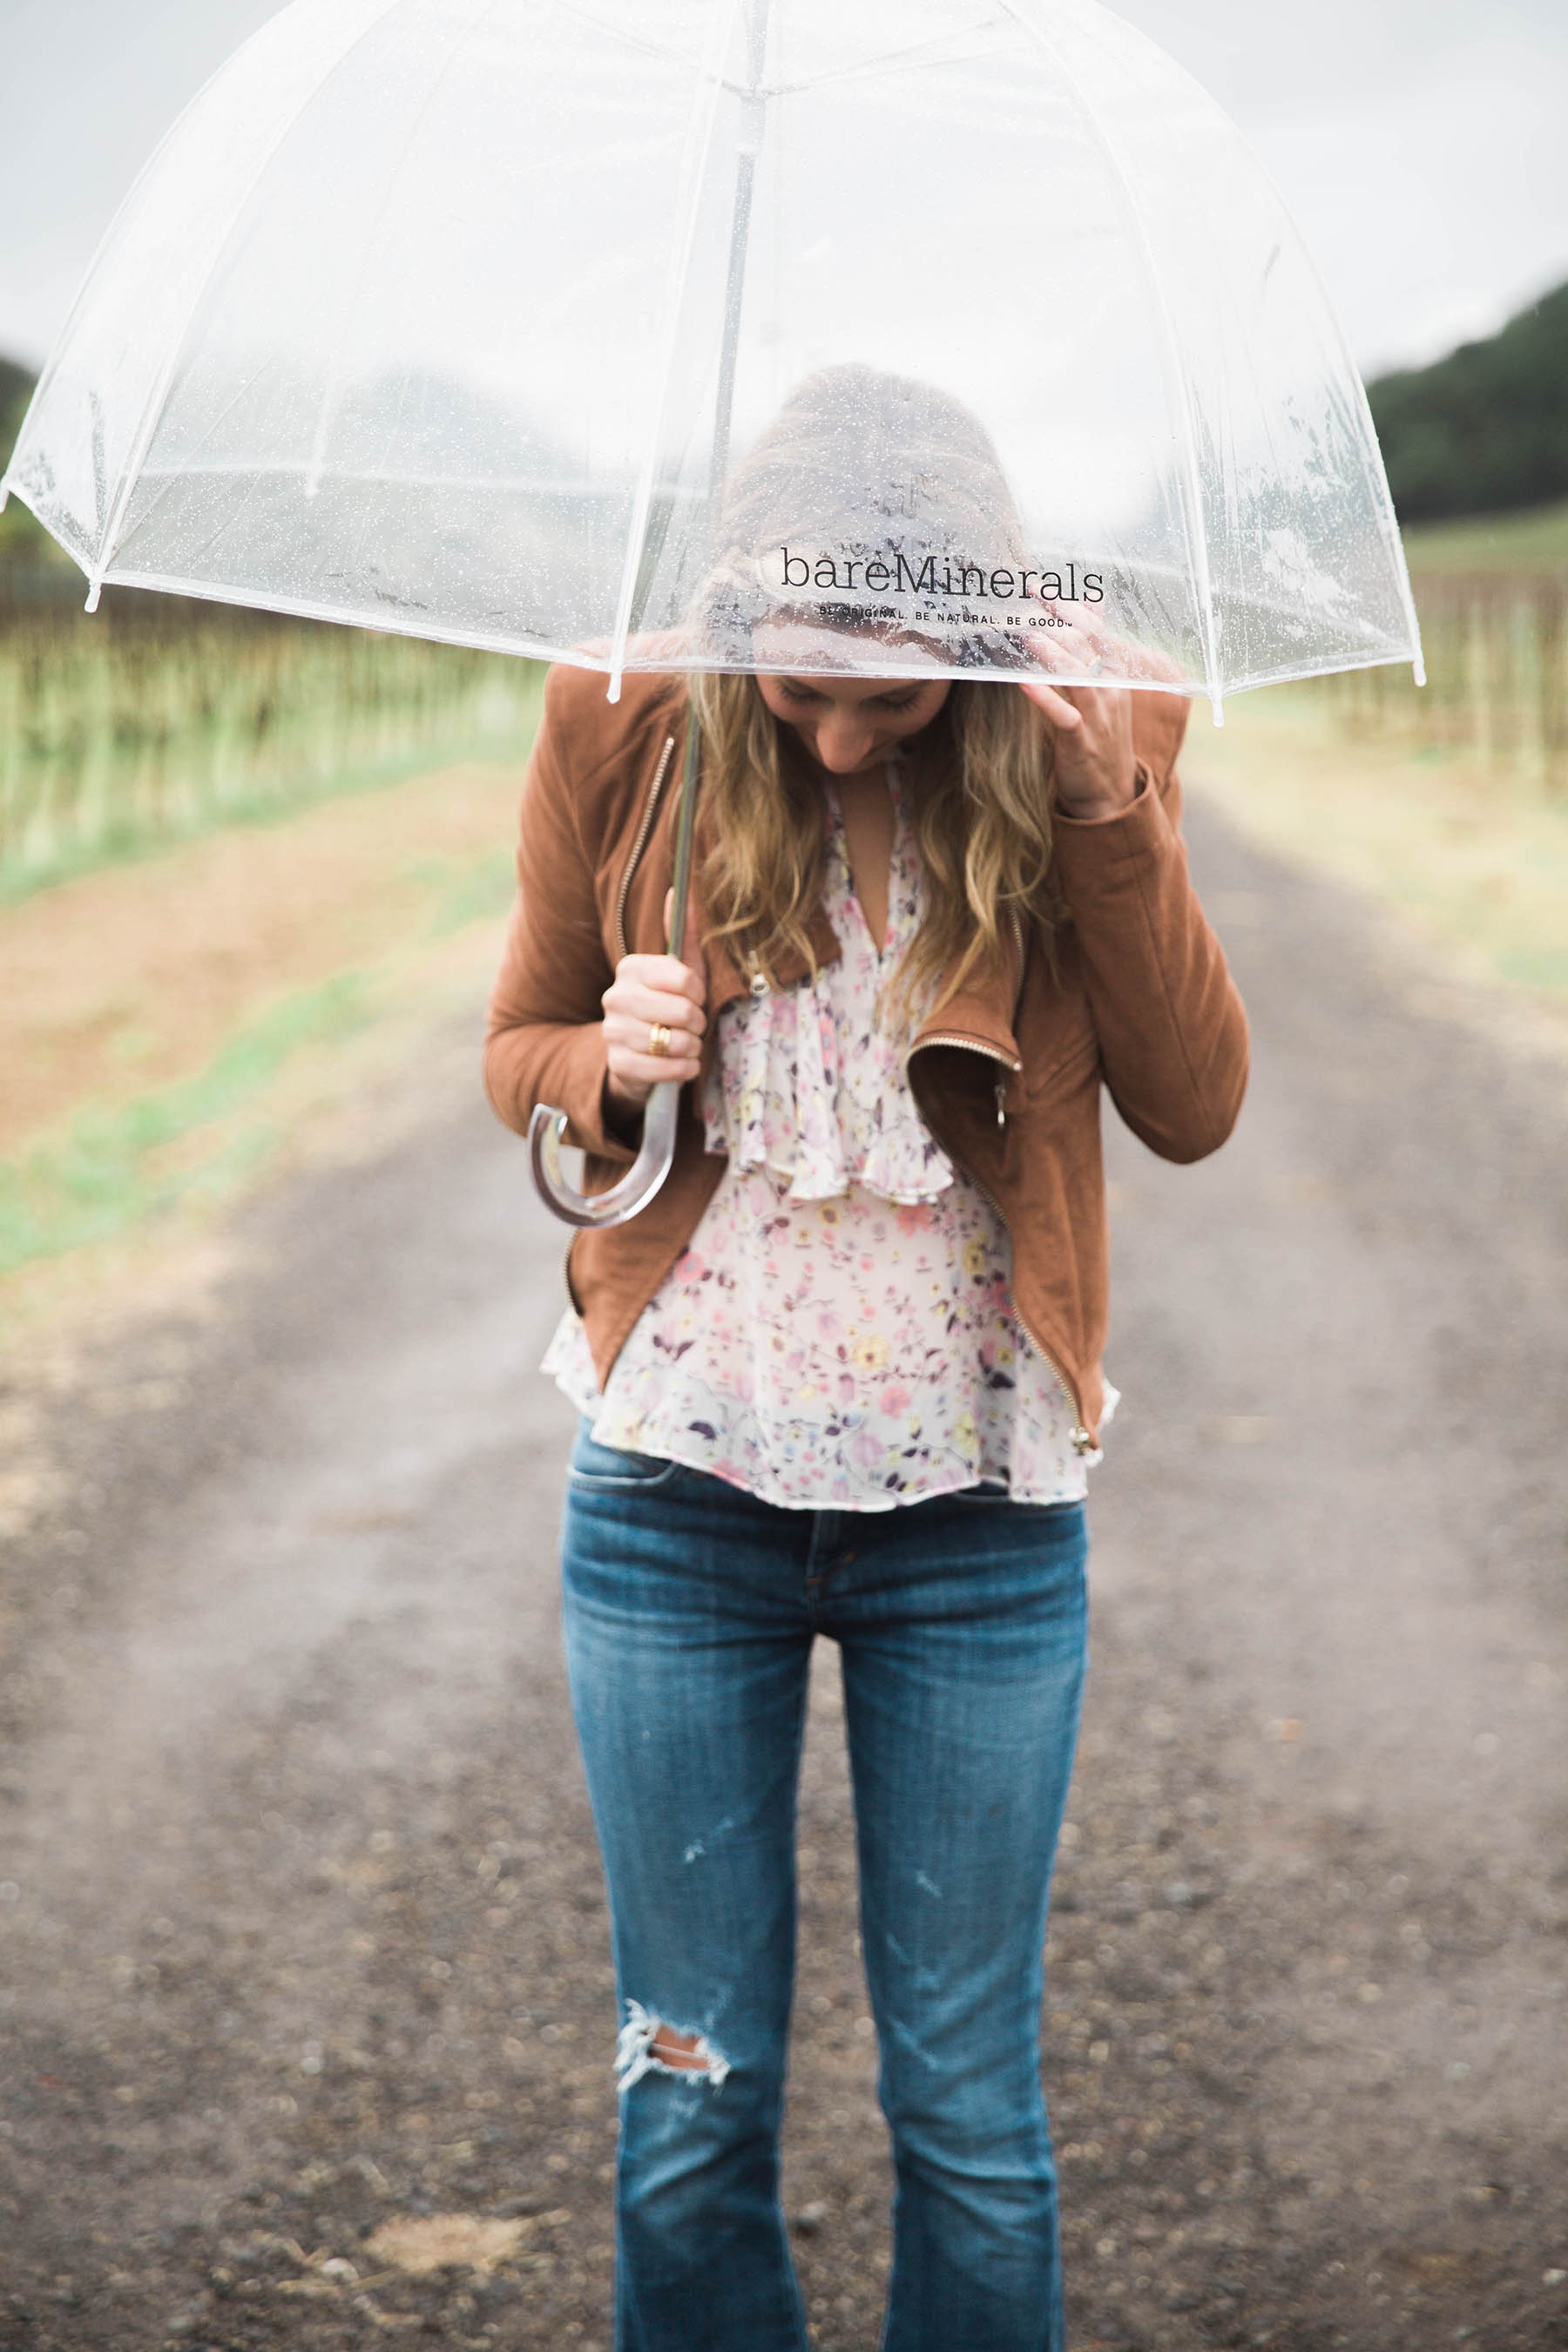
661,1113
635,1188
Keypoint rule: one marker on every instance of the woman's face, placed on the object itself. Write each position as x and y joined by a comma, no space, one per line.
849,724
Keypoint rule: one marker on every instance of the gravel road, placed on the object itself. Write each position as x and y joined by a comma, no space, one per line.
308,2020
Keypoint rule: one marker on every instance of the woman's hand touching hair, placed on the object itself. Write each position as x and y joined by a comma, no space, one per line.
1091,726
1095,766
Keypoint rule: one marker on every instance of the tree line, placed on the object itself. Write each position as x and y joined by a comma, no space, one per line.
21,540
1485,429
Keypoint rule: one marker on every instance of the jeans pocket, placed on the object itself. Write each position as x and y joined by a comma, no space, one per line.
598,1469
995,1492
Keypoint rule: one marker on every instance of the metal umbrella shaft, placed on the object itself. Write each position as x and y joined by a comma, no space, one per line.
661,1113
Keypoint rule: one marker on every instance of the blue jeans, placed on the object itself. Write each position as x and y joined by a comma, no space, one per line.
691,1610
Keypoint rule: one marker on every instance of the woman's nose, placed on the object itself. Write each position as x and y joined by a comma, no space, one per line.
844,744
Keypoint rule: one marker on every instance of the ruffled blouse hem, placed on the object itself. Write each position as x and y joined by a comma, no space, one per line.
871,1500
796,1187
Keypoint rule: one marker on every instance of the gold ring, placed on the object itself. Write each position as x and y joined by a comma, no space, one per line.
658,1039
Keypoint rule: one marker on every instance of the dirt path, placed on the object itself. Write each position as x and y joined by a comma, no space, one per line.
180,1029
132,977
302,1937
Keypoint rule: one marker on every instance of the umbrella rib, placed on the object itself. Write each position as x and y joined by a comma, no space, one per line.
885,63
702,136
1193,526
184,471
633,41
1387,521
52,365
163,383
652,49
486,10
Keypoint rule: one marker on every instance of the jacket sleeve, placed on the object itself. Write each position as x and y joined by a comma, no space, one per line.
1172,1034
545,1042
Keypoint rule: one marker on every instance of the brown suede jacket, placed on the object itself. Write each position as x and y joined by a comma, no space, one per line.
1008,1074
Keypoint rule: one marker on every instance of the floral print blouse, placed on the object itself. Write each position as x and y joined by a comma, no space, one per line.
838,1333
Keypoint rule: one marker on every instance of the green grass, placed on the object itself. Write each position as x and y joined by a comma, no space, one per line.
116,1168
1535,539
469,894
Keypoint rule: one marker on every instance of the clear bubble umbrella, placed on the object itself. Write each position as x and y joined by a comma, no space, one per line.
477,319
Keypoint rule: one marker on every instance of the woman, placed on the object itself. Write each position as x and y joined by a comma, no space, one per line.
843,1375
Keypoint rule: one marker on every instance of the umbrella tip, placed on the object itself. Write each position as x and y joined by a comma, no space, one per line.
1419,668
612,691
94,592
1216,702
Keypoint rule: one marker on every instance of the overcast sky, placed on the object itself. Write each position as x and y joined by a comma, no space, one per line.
1420,142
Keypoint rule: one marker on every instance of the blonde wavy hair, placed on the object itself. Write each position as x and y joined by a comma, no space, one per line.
881,466
980,814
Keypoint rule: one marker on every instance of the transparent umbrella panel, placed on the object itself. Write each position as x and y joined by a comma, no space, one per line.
954,335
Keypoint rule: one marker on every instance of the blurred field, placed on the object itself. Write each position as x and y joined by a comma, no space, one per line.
1449,802
1534,540
1473,856
156,719
1497,679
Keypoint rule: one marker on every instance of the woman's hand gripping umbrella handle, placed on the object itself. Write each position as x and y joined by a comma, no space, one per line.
661,1113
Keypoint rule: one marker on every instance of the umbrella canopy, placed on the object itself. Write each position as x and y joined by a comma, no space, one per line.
951,335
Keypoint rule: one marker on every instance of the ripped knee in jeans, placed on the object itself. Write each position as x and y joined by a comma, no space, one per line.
648,2045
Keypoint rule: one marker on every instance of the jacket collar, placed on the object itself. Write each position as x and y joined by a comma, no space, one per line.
725,980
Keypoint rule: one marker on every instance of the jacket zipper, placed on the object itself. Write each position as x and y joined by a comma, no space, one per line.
1082,1443
639,844
968,1045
